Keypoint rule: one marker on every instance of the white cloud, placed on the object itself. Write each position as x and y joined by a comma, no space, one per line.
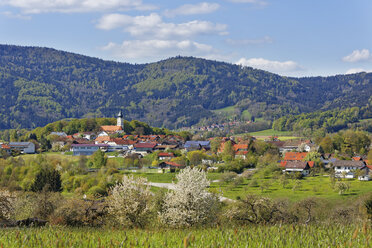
260,2
193,9
138,50
153,26
71,6
264,40
356,70
12,15
269,65
357,55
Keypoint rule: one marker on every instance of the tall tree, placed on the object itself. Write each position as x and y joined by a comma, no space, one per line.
47,179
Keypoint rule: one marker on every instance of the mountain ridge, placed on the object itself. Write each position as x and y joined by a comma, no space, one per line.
41,85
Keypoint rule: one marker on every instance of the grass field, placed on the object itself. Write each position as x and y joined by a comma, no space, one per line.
300,236
227,111
50,156
319,186
271,132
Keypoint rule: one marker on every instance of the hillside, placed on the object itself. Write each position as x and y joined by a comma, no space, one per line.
42,85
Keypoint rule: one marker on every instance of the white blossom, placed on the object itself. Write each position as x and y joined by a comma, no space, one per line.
6,204
129,202
189,203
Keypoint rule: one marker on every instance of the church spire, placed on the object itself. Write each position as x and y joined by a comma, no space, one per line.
119,119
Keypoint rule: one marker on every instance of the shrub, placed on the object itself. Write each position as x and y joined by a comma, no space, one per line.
342,187
253,209
97,191
189,203
6,204
78,212
227,177
129,202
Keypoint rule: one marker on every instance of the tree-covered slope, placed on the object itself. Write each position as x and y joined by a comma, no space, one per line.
41,85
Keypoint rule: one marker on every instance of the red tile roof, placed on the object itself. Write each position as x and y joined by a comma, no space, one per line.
3,146
103,138
357,158
295,156
240,147
283,163
111,128
311,164
145,145
166,154
174,164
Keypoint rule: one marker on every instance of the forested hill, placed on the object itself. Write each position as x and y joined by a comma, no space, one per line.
42,85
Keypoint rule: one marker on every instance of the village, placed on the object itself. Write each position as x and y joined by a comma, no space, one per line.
170,149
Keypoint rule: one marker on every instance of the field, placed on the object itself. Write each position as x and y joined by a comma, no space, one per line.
271,132
318,186
242,236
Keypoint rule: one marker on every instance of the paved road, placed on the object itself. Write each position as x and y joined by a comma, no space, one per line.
171,186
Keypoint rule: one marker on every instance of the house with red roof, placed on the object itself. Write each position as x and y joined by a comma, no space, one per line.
6,148
294,156
171,166
165,155
297,166
145,147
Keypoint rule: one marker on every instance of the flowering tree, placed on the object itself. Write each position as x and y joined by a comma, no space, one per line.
129,202
6,205
189,203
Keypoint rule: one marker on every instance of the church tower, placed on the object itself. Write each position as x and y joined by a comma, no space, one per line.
120,121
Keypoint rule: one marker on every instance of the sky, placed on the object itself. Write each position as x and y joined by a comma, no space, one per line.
288,37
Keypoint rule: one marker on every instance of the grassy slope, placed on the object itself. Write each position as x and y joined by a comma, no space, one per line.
271,132
319,186
311,186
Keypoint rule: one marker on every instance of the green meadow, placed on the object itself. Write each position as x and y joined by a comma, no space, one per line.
299,236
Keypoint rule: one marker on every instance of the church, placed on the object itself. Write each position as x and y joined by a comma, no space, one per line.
119,128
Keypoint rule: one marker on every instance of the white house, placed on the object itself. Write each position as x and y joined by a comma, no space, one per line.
346,168
87,149
23,147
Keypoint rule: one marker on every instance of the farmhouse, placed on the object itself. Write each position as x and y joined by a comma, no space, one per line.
23,147
297,166
197,145
347,168
165,156
145,147
171,166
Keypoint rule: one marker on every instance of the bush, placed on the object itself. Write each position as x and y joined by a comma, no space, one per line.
6,205
130,202
227,177
97,191
77,212
189,203
254,209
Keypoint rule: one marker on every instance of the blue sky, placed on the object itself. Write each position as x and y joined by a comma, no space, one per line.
288,37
